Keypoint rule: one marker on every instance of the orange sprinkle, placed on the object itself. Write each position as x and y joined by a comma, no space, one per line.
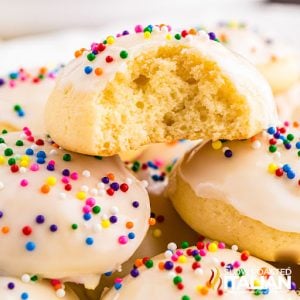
78,53
98,71
55,145
295,124
273,58
138,262
152,221
45,189
57,286
111,176
5,229
161,265
203,290
253,139
43,70
129,225
192,31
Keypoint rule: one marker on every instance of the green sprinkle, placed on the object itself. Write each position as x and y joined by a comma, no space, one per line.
177,279
197,257
123,54
177,36
11,161
148,28
149,264
185,297
241,272
96,209
91,56
290,137
257,292
299,153
8,152
19,143
17,107
34,278
67,157
74,226
184,245
272,148
98,157
4,131
2,140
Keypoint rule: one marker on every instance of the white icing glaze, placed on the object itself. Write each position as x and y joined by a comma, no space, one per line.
251,44
32,98
153,283
289,104
244,181
16,289
65,253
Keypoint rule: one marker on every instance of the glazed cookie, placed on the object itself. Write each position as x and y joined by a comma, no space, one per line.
23,96
276,61
153,86
154,166
27,288
63,215
207,270
246,192
288,104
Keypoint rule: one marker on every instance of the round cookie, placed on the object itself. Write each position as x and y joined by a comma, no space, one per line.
278,63
64,215
207,270
26,288
154,166
246,192
288,104
23,96
152,86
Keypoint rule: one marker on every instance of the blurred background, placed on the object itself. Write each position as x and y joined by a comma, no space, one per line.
35,32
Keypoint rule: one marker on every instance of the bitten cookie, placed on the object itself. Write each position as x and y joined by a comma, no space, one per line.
207,270
246,192
156,85
28,288
23,96
278,63
64,215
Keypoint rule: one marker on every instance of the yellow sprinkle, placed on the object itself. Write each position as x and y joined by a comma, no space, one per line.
105,223
147,34
25,157
157,233
24,163
168,36
213,247
81,195
256,282
2,159
182,259
272,168
51,181
110,40
216,145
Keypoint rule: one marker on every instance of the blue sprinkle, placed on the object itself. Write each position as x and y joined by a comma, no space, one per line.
41,154
265,291
88,70
30,246
40,160
229,284
89,241
286,168
291,175
131,235
21,113
24,296
298,145
117,285
108,274
87,216
29,151
271,130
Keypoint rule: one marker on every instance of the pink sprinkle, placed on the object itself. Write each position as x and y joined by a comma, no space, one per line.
286,124
169,27
236,264
179,252
24,182
34,167
159,162
86,209
51,162
221,245
23,78
138,28
65,180
123,239
119,35
202,252
90,202
30,139
12,83
74,176
174,257
51,75
118,280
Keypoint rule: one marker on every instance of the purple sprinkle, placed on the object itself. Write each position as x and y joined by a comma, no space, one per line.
50,167
11,285
115,186
169,265
125,32
135,204
293,286
105,180
212,35
1,214
53,228
134,273
40,219
2,81
113,219
66,172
